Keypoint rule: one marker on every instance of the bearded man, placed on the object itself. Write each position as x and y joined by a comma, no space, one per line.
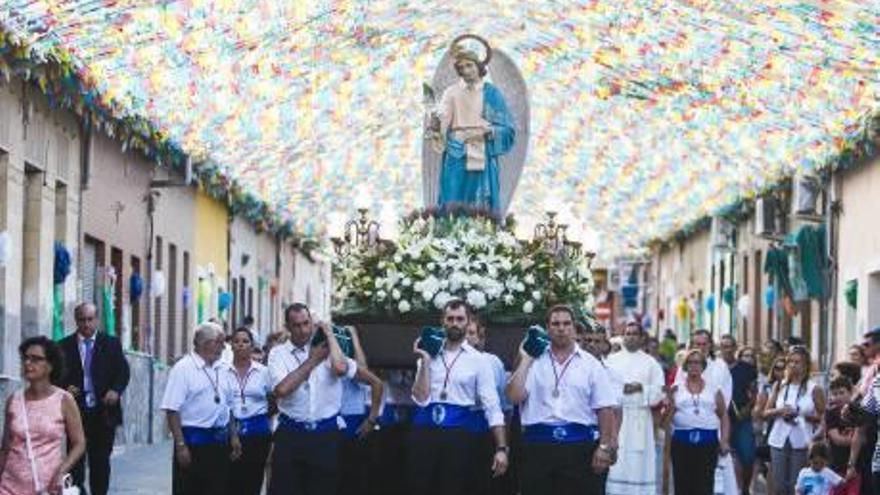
447,388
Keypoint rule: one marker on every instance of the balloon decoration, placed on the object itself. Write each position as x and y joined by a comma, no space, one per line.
743,306
224,300
647,115
135,287
682,311
770,297
851,293
710,303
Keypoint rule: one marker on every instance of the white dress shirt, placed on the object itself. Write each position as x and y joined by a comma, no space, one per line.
470,382
249,393
500,375
191,390
355,397
319,397
584,387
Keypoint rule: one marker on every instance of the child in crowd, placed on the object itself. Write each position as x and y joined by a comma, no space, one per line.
817,478
838,431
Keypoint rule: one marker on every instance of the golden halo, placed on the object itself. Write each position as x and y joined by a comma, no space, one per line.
481,40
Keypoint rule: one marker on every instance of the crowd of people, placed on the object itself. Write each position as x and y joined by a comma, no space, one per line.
593,412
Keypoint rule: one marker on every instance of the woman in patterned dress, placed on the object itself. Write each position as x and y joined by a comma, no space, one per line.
52,418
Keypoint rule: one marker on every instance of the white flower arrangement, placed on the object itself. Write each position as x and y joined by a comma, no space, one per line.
438,258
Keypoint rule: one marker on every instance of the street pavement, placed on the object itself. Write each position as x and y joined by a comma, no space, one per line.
146,470
141,469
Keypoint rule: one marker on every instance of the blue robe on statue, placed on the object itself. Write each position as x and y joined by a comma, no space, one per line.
479,188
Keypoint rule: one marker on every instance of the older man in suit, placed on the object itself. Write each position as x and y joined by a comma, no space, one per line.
96,373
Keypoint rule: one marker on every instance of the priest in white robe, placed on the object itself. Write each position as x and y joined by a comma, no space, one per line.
634,473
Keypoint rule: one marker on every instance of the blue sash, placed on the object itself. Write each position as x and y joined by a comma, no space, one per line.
563,433
321,426
352,423
394,414
442,415
478,423
695,436
205,436
254,426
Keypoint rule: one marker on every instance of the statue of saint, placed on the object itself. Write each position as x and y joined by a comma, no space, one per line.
471,128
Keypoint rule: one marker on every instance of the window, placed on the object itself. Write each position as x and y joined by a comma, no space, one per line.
173,297
136,331
157,316
184,340
116,263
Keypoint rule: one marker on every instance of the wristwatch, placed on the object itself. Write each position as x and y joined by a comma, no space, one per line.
608,449
502,448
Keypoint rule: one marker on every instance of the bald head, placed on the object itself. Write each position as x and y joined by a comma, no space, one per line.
86,316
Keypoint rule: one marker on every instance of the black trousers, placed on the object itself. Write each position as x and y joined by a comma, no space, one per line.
559,468
387,475
693,468
248,470
304,463
99,445
440,461
358,466
207,474
481,470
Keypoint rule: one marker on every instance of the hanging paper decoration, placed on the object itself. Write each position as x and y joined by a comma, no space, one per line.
681,310
157,286
186,297
61,263
743,305
728,295
58,312
135,287
710,303
109,307
646,115
202,299
851,293
61,270
770,297
224,300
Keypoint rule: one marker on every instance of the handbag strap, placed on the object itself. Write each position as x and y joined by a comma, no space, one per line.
27,441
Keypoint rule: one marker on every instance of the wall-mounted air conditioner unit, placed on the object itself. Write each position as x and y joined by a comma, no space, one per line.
766,221
722,233
805,194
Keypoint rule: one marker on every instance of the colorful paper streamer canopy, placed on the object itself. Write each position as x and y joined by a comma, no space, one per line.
646,115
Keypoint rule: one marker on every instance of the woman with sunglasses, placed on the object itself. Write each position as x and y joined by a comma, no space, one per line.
700,428
49,416
796,406
775,374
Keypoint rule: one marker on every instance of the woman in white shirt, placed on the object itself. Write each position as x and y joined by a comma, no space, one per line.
700,428
249,381
796,406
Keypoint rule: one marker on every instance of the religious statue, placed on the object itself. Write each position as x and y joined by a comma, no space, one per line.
471,129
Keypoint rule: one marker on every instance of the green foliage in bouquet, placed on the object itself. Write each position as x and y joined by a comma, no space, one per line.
464,254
